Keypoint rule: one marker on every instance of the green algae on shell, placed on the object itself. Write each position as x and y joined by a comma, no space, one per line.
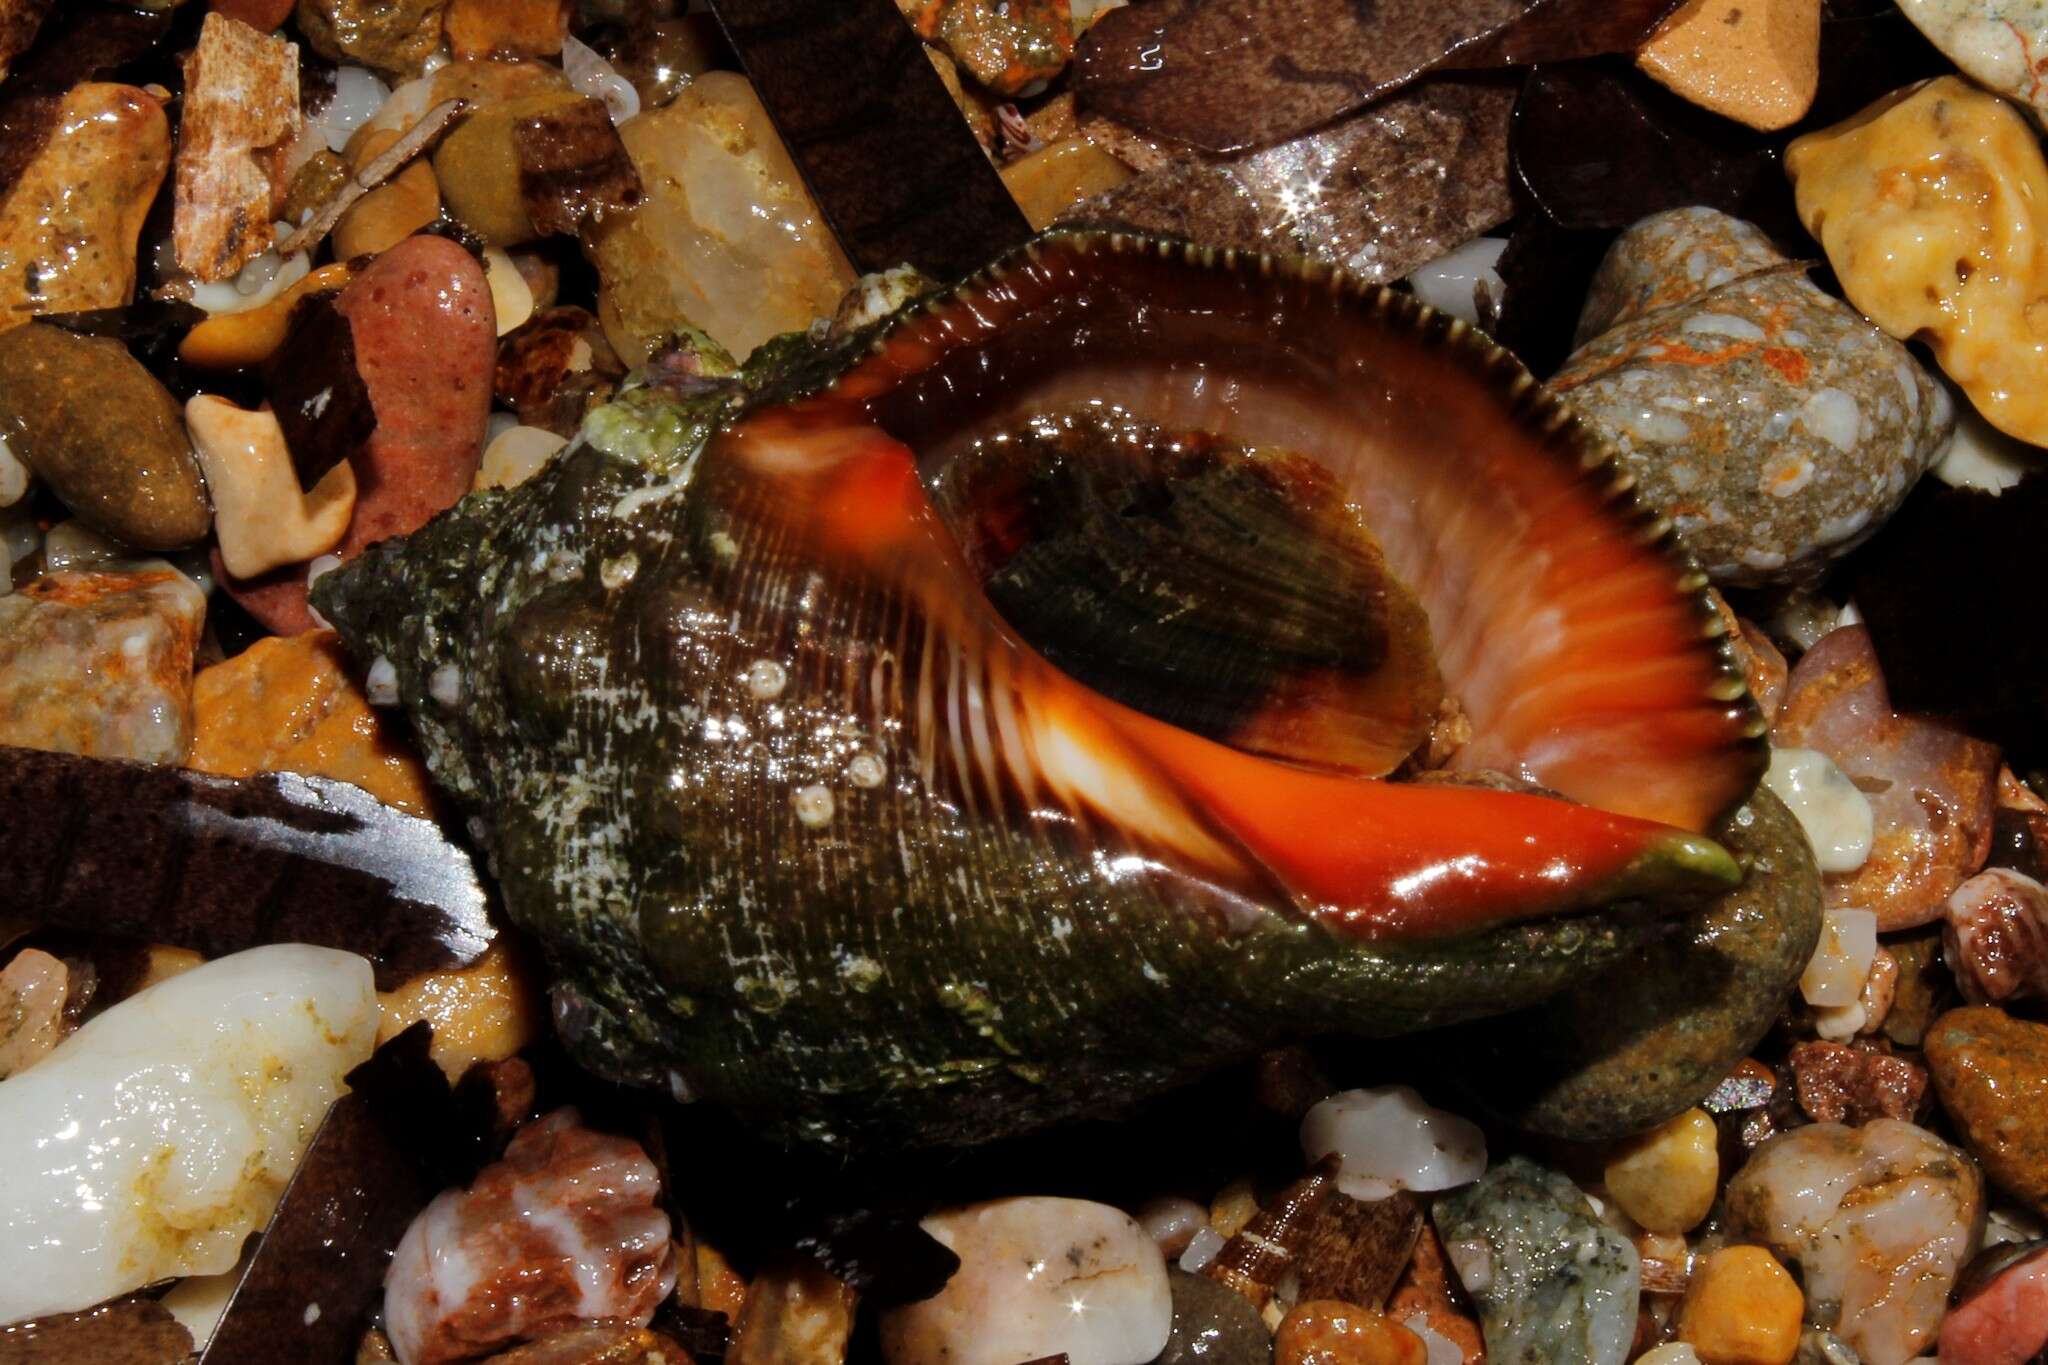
807,829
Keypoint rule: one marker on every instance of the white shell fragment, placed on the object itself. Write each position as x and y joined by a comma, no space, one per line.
155,1139
1834,976
1038,1277
1981,456
1392,1139
1454,282
1834,813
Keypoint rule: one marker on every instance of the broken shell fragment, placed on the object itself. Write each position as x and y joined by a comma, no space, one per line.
908,526
240,117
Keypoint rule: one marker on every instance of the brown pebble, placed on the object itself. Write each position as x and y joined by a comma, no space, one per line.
506,28
107,438
1840,1084
1991,1073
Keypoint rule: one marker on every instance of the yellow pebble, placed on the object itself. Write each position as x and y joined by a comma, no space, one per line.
1742,1309
228,341
1754,61
1666,1178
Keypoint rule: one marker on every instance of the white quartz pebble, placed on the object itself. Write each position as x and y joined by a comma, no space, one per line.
1452,282
1038,1277
154,1140
1391,1139
1835,815
1840,964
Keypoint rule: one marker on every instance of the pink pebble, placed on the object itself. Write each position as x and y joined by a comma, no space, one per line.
2004,1323
426,341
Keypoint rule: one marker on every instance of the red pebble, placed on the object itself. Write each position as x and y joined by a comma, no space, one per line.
426,340
2004,1323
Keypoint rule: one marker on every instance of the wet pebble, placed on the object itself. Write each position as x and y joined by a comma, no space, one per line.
1991,1073
726,239
103,434
1653,1035
1931,206
1930,786
1391,1139
425,342
1008,46
1332,1332
69,223
506,28
1741,1308
100,663
481,1267
33,988
1757,63
1995,41
1994,937
1038,1277
1550,1280
2004,1319
1666,1179
1837,1083
389,35
1879,1220
1776,427
1213,1325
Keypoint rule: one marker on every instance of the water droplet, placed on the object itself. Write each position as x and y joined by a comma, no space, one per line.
866,770
765,679
814,805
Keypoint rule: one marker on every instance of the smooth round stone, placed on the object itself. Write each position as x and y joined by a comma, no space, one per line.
1991,1072
1038,1277
1213,1325
1653,1035
107,438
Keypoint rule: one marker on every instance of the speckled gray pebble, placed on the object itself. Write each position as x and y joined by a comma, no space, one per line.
1550,1280
1774,425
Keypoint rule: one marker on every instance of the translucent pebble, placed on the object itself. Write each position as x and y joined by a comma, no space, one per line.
1835,815
1841,962
1391,1139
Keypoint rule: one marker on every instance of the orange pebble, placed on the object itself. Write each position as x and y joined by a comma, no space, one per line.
1332,1332
1742,1308
289,704
1754,61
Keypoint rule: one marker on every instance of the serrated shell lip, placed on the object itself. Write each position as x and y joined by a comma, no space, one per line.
1562,433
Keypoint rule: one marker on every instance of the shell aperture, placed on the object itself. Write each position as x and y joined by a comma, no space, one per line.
810,827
